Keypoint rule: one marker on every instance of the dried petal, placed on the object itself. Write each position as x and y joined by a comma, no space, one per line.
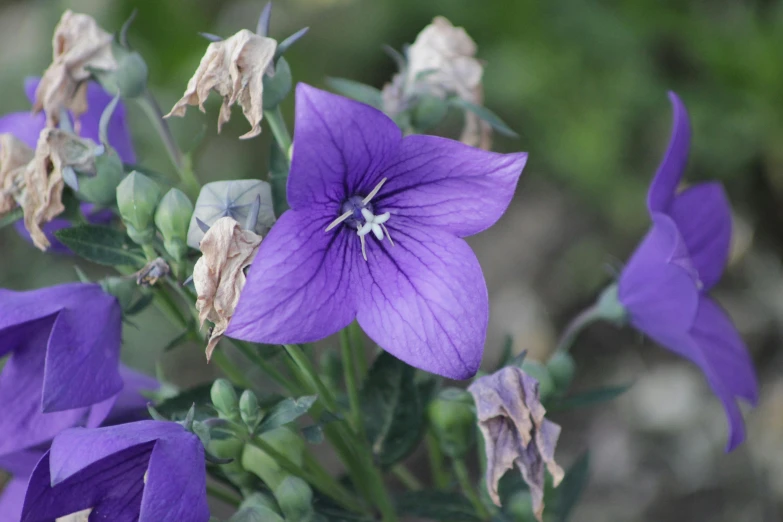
219,275
43,181
511,419
79,44
235,68
14,157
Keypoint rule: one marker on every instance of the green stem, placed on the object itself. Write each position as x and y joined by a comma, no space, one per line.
311,375
232,371
276,122
439,476
149,252
407,478
586,317
348,353
250,353
358,347
223,495
461,471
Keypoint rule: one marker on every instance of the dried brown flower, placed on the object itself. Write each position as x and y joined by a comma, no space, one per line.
14,157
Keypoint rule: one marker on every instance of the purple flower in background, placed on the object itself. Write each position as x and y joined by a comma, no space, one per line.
63,369
375,233
26,126
130,405
147,471
664,286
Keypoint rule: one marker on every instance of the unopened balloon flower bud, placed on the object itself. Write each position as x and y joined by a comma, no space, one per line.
122,288
129,79
539,372
172,219
137,198
561,368
225,399
453,421
101,188
295,498
249,410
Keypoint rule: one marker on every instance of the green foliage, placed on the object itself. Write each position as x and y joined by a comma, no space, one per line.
286,411
485,114
356,90
278,178
102,245
437,505
277,87
570,490
257,508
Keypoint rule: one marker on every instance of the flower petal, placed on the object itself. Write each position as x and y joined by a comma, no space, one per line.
21,463
298,288
131,404
83,354
12,500
703,217
23,125
340,145
97,100
176,482
424,300
446,184
671,169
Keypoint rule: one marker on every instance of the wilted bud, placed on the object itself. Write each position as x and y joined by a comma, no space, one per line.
129,79
295,498
536,370
247,201
561,368
453,421
137,198
79,45
122,288
225,399
235,68
219,275
172,219
14,158
101,188
250,410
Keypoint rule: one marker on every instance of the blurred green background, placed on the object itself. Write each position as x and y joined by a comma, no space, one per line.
584,83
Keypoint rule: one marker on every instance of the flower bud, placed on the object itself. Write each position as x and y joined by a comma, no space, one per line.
561,368
453,420
225,400
130,76
429,112
137,197
101,189
250,410
295,498
173,219
120,287
546,385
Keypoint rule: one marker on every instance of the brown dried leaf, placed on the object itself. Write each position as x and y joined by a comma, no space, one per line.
14,157
219,275
78,44
235,68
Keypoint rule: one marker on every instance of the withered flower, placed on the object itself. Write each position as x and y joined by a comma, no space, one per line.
14,157
43,178
235,68
219,275
79,45
511,419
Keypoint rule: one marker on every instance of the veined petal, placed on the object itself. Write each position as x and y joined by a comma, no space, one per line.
340,145
24,126
176,482
298,288
424,300
703,217
671,169
447,184
12,499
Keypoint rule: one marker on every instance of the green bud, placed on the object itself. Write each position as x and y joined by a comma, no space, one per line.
610,308
429,112
173,219
250,410
295,498
561,368
137,197
102,188
452,418
546,385
230,448
130,77
225,400
260,463
122,288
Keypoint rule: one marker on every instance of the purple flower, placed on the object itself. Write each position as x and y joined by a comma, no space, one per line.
63,369
375,233
664,286
129,406
511,419
146,471
27,126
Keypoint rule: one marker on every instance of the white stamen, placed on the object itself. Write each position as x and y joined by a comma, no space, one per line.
364,250
387,233
374,192
338,220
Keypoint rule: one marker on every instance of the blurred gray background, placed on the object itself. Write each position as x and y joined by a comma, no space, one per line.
584,83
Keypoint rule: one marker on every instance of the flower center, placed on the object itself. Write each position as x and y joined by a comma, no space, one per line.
358,213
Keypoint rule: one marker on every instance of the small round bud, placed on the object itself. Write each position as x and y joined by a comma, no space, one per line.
225,399
561,368
173,219
137,197
249,410
429,112
546,385
120,287
295,498
452,418
130,76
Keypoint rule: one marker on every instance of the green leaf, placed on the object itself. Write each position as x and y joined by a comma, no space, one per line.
102,245
177,407
12,217
277,87
571,488
256,508
588,398
437,505
278,178
393,409
285,411
179,340
358,91
140,305
486,115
